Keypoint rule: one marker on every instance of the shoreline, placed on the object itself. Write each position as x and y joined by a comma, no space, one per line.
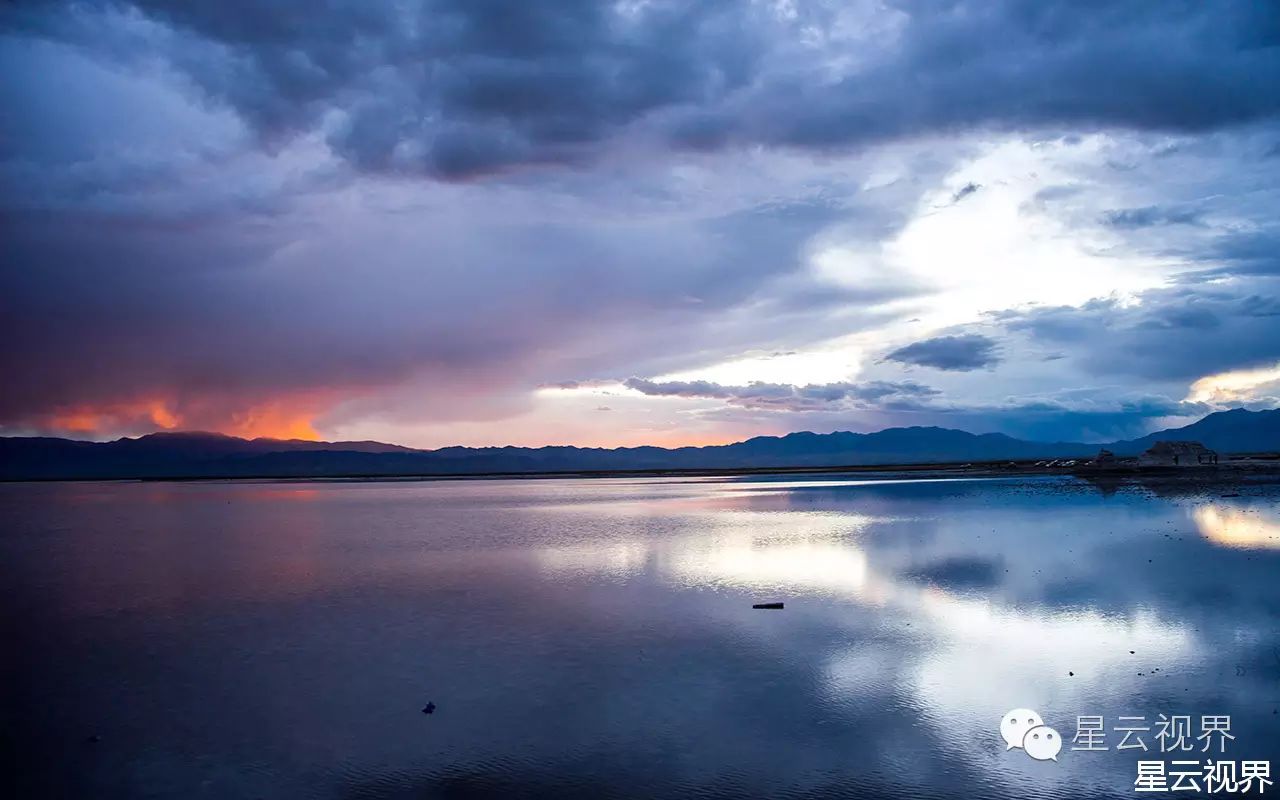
1229,472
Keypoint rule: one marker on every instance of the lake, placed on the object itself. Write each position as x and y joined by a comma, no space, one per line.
595,638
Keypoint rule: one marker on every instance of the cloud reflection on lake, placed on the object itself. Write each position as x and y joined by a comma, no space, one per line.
1240,527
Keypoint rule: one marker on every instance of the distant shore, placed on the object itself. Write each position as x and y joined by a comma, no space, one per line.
1252,437
1252,468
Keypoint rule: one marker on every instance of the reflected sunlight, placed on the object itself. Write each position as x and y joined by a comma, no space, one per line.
1244,528
983,652
813,566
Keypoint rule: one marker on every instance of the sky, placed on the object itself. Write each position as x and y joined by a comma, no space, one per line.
580,222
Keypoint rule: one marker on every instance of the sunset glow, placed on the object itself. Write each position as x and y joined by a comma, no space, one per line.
272,420
150,414
1236,386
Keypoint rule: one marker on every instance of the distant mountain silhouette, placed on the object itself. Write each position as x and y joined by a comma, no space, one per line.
1234,431
205,455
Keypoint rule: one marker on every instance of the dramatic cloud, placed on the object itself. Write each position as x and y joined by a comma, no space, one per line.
365,219
1067,415
1179,333
1151,216
1251,252
461,88
957,353
151,313
1079,415
786,397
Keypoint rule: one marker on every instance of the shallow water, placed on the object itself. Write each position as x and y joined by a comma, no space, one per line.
595,638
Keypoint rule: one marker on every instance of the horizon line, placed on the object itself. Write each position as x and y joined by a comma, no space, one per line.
219,434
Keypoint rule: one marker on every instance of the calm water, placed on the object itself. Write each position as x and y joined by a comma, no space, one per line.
596,638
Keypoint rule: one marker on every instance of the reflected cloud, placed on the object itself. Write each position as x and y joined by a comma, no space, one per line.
932,593
916,615
612,559
1242,528
783,487
959,573
796,551
937,622
805,567
981,645
991,655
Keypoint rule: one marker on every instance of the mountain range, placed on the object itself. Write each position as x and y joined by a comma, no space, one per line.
209,455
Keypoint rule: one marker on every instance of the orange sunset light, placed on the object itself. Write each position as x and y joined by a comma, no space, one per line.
271,420
91,420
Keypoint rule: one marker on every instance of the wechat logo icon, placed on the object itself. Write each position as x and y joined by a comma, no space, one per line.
1024,728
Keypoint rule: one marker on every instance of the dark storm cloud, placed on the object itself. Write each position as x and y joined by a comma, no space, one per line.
1176,333
152,254
1082,415
451,88
201,201
1143,66
960,353
1150,217
1079,415
789,397
122,310
965,191
461,89
1246,253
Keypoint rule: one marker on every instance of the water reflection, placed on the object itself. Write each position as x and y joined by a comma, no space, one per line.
793,568
970,653
596,638
1240,527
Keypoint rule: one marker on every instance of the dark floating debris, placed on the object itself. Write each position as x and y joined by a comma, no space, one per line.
768,605
1231,494
429,708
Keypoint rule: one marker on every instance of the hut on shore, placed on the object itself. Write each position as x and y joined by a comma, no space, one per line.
1178,454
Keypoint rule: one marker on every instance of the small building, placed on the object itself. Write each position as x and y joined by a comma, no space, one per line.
1178,454
1105,458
